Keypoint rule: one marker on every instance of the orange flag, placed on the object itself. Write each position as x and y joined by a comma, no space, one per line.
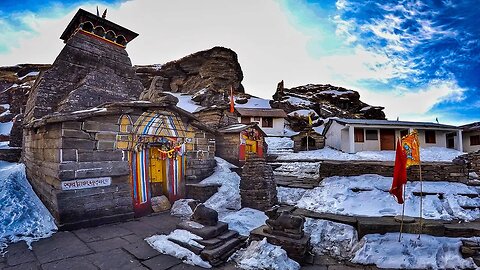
411,147
232,109
399,173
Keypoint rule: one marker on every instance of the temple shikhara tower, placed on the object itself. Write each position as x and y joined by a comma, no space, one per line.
93,152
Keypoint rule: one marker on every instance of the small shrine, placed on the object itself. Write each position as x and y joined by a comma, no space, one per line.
236,142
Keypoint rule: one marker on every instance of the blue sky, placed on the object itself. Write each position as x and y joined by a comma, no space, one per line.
420,59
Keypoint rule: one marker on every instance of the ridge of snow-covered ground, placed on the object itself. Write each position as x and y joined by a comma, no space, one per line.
283,147
428,252
23,217
367,195
261,255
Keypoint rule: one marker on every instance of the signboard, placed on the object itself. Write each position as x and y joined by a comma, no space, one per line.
86,183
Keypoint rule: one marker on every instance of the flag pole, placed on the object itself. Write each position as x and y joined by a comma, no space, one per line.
403,213
421,198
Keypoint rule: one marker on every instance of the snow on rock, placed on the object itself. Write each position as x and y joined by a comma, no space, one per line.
185,102
298,169
428,252
367,195
228,196
23,217
245,220
297,101
186,237
5,128
330,238
181,209
303,113
278,145
254,102
327,153
262,255
290,196
164,246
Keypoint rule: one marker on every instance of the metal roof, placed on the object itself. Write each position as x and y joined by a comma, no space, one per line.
471,127
237,128
375,122
262,112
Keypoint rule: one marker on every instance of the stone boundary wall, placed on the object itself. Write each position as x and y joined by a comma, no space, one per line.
201,192
431,171
472,161
61,152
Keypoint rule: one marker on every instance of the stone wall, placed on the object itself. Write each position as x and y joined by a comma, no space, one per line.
471,160
201,192
438,171
201,160
10,154
60,152
228,147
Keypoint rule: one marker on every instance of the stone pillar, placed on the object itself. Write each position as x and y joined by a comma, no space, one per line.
351,139
459,140
257,185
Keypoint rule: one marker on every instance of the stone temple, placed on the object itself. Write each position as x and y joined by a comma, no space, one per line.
93,152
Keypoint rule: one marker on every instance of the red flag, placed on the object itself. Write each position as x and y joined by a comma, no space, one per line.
399,173
232,109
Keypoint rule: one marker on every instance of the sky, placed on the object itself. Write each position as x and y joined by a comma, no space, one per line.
419,59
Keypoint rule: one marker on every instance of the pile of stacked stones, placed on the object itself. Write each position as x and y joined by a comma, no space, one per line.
471,249
286,230
257,186
218,242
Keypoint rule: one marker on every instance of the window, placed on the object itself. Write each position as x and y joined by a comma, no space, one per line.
403,133
267,122
358,134
430,136
475,140
245,120
256,118
371,135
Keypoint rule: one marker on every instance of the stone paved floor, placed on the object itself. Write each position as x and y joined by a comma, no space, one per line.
116,246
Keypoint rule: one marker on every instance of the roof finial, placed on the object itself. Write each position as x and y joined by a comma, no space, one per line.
104,15
98,12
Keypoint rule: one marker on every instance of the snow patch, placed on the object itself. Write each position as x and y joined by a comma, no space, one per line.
185,102
330,238
254,102
428,252
181,209
297,101
245,220
6,128
439,154
262,255
23,217
164,246
303,113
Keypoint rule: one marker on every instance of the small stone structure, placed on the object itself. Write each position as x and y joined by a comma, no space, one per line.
285,229
201,192
218,242
236,142
257,185
471,249
471,161
431,171
315,140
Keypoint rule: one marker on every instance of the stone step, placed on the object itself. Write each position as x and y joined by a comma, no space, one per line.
228,235
193,249
215,255
206,232
224,257
210,243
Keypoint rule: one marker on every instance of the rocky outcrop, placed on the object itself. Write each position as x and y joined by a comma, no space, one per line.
15,84
206,75
323,101
88,72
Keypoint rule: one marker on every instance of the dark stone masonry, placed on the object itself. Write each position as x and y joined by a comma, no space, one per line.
431,171
257,185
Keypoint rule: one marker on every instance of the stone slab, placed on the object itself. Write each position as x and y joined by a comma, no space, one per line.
18,253
117,259
101,233
105,245
77,263
141,250
206,232
25,266
161,262
47,250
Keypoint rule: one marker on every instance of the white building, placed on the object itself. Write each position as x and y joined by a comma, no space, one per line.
354,135
471,137
271,121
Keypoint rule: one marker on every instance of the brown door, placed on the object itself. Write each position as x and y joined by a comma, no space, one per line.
387,139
